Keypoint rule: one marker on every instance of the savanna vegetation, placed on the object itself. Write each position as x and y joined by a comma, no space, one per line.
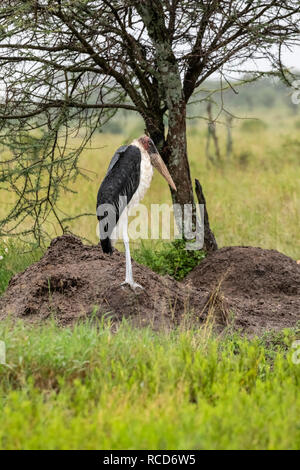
88,388
79,79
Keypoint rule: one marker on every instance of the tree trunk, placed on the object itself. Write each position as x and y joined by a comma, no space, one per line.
174,153
156,129
169,87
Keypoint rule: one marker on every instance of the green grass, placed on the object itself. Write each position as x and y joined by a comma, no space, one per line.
87,388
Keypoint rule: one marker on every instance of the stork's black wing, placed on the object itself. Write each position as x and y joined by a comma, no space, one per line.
117,188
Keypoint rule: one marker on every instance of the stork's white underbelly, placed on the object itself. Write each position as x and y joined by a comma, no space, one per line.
146,173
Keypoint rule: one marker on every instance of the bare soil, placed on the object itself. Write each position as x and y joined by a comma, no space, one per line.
244,287
262,287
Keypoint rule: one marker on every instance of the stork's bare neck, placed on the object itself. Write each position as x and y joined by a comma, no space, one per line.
145,175
156,159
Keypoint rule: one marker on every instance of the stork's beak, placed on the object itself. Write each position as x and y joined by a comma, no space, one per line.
159,164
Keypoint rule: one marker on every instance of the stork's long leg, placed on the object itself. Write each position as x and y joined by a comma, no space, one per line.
129,277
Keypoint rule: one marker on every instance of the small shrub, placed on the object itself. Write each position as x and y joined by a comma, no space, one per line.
171,258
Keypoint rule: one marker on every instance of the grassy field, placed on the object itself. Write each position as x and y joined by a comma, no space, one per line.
87,388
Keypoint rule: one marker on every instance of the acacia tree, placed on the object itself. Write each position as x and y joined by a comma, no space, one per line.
68,66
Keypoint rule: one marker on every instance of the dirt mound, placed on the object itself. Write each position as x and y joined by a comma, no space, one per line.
73,279
262,286
253,289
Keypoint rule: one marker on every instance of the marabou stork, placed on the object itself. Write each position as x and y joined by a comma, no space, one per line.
127,179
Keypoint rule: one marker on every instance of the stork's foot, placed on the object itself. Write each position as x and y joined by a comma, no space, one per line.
133,285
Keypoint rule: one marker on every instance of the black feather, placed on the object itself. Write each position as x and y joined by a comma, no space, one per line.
122,179
106,245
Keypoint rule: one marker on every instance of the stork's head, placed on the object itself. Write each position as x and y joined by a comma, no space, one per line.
156,159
